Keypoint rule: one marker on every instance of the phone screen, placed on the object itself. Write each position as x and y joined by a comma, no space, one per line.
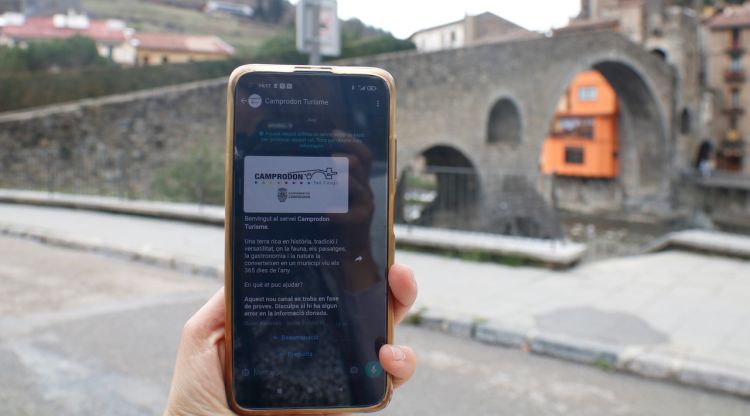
309,239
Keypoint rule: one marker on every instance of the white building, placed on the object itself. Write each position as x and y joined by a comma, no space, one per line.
471,30
112,37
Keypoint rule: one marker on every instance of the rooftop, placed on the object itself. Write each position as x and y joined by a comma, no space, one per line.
40,28
730,17
182,43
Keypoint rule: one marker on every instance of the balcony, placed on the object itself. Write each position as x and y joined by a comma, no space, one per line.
734,75
735,50
732,148
734,110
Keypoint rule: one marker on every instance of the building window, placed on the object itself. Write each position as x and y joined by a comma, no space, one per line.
453,36
504,124
581,127
661,53
685,121
735,65
733,122
735,37
735,98
574,155
587,93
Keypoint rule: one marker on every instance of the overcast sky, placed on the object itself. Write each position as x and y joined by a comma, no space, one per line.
404,17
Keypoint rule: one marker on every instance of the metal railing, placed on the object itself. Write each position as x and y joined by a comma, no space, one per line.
463,198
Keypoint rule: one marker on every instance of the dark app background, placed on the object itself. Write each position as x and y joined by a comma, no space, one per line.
297,354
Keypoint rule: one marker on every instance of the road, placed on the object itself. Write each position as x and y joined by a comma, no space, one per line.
678,309
86,334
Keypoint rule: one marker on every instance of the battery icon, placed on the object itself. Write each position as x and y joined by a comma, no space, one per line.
372,88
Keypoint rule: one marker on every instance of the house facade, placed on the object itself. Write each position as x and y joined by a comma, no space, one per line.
583,140
471,30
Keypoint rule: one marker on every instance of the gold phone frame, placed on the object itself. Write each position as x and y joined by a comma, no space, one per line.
228,201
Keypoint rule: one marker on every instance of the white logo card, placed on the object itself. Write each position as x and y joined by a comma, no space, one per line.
294,184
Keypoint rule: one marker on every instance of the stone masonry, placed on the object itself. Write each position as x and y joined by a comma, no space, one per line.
109,145
444,99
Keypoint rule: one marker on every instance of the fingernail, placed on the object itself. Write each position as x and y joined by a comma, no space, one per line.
397,353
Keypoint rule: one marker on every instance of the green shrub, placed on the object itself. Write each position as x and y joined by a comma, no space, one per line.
12,59
280,49
375,45
30,89
74,52
198,177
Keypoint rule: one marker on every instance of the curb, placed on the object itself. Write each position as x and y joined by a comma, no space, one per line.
206,214
550,253
715,243
610,357
150,257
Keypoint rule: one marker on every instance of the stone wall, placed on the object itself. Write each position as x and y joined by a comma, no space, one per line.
110,145
713,202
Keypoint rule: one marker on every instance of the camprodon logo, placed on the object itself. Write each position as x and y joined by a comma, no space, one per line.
328,174
296,184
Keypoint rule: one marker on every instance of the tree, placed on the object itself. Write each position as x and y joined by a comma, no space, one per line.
271,10
74,52
357,39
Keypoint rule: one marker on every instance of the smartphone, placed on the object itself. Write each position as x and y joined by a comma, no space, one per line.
310,184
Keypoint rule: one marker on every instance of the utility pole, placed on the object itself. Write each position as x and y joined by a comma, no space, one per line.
315,28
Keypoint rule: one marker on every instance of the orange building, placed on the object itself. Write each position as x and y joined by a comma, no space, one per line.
583,139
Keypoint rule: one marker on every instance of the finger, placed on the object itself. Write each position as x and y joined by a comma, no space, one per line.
404,290
399,361
208,322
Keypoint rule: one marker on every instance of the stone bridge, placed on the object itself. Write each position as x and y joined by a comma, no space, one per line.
485,109
489,108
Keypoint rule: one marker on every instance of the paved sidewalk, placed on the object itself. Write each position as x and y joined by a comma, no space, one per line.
674,315
548,252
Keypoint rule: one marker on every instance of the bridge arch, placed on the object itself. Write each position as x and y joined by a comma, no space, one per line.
643,136
439,187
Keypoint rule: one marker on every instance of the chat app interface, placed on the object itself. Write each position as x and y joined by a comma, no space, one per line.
309,240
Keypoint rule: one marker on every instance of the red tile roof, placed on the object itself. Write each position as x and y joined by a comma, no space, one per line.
182,43
730,17
40,28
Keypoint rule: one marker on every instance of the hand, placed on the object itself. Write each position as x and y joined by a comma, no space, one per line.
198,381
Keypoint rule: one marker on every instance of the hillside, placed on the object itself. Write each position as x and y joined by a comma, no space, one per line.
243,34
